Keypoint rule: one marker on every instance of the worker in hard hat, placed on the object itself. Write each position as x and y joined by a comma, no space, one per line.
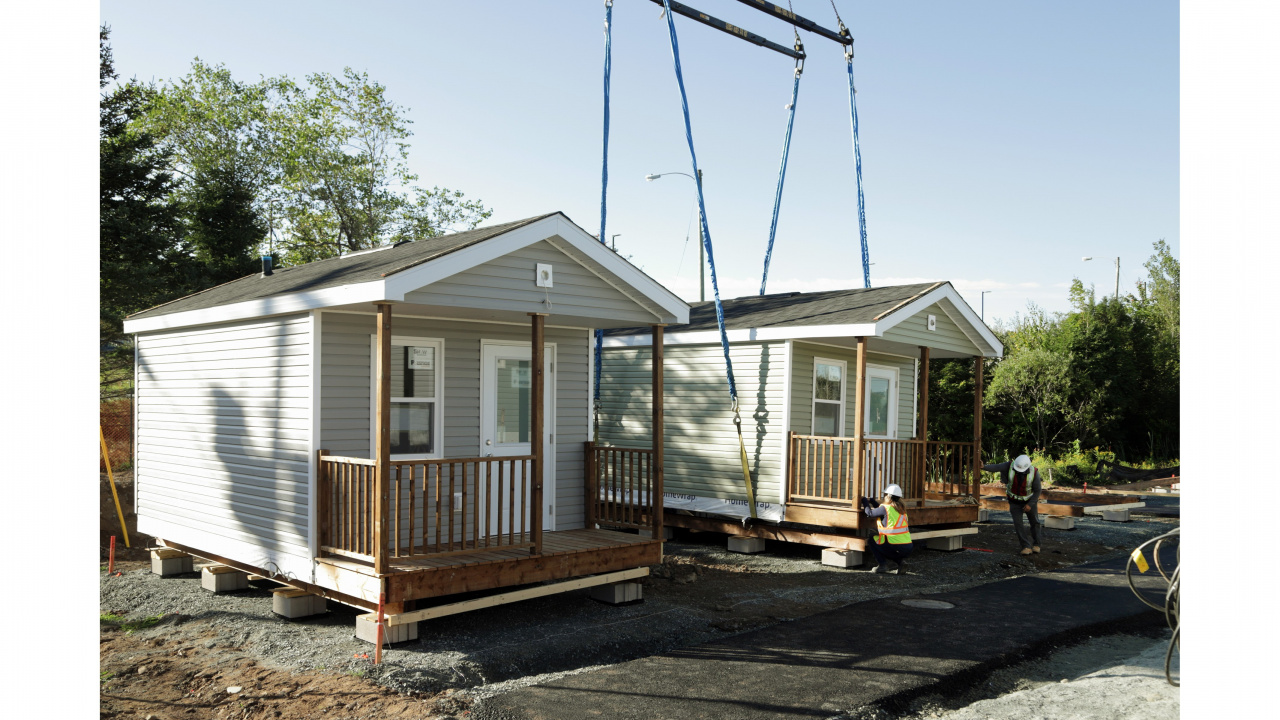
892,539
1022,489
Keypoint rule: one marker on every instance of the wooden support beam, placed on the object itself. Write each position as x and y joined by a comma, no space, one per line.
515,596
1042,507
324,502
977,425
859,410
769,532
536,399
655,499
591,484
382,450
922,417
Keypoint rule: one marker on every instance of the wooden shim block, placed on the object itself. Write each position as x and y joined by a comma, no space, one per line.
163,553
290,592
218,569
516,596
950,532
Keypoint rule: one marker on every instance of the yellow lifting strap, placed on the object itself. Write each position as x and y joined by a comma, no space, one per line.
746,467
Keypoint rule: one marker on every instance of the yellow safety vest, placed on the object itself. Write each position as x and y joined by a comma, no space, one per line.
893,527
1031,476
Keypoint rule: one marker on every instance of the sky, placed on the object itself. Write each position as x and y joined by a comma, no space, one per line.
1001,141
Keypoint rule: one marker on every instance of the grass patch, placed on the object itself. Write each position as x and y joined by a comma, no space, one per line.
129,627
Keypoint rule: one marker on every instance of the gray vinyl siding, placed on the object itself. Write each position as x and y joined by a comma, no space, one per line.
948,336
508,283
346,387
223,433
802,387
701,446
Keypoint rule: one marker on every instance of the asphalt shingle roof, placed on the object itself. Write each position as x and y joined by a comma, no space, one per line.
831,307
334,272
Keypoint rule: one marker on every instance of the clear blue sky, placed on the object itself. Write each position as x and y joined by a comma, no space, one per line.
1001,141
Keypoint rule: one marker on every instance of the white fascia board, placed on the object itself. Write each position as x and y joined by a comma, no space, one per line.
793,332
374,291
628,273
970,318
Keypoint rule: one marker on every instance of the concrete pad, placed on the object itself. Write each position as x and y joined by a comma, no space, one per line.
951,543
367,630
1116,515
1060,522
617,593
165,567
221,579
295,603
746,545
836,557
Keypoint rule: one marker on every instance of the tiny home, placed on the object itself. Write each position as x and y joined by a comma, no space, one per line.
833,394
407,422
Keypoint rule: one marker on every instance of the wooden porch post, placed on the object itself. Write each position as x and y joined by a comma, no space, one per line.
859,410
976,479
922,430
382,449
655,500
535,430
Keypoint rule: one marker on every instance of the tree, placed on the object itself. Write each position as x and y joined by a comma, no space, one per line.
224,229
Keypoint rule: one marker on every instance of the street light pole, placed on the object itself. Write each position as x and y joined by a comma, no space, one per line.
984,304
702,260
613,240
1087,259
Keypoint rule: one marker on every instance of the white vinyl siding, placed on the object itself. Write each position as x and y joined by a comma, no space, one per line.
947,335
508,283
802,386
701,453
346,395
223,438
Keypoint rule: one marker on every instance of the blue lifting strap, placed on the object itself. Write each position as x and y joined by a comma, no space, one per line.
782,176
711,263
857,162
604,190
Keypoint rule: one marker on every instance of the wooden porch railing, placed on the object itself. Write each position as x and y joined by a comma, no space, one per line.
452,505
620,488
820,468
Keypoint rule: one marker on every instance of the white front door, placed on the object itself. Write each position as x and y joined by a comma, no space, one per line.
881,403
505,421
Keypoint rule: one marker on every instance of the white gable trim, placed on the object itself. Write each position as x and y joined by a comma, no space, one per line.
970,323
394,287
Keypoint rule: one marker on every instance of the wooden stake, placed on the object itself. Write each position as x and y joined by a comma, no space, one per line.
106,458
377,653
111,556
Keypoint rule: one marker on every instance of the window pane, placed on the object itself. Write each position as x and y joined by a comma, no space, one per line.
828,384
413,371
412,428
513,400
825,416
877,406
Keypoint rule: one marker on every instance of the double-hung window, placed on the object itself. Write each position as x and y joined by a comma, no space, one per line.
417,374
828,397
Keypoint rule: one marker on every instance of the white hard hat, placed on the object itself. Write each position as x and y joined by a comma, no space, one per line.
1021,464
893,490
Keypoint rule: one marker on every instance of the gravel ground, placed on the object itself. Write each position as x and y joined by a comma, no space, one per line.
701,592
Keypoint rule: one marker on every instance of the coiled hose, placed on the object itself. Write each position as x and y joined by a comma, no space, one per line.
1170,606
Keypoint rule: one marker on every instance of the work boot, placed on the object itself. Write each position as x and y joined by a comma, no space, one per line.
881,569
1035,548
1024,551
902,568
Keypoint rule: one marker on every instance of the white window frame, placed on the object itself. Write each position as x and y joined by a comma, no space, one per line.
403,340
893,401
813,395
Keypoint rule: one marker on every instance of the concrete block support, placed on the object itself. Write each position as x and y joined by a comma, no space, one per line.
1060,522
617,593
295,603
950,543
836,557
1116,515
746,545
167,561
984,515
221,579
367,630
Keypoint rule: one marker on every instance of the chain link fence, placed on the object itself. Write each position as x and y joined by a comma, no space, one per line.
116,417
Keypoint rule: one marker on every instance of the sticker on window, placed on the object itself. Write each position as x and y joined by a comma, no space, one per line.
520,377
422,358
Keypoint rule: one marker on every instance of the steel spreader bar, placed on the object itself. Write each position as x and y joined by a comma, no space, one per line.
732,29
803,23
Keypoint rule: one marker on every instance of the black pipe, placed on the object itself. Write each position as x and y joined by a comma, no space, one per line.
732,29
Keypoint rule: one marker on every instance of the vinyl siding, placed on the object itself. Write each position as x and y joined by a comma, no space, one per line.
802,387
223,437
508,283
701,446
346,405
948,336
